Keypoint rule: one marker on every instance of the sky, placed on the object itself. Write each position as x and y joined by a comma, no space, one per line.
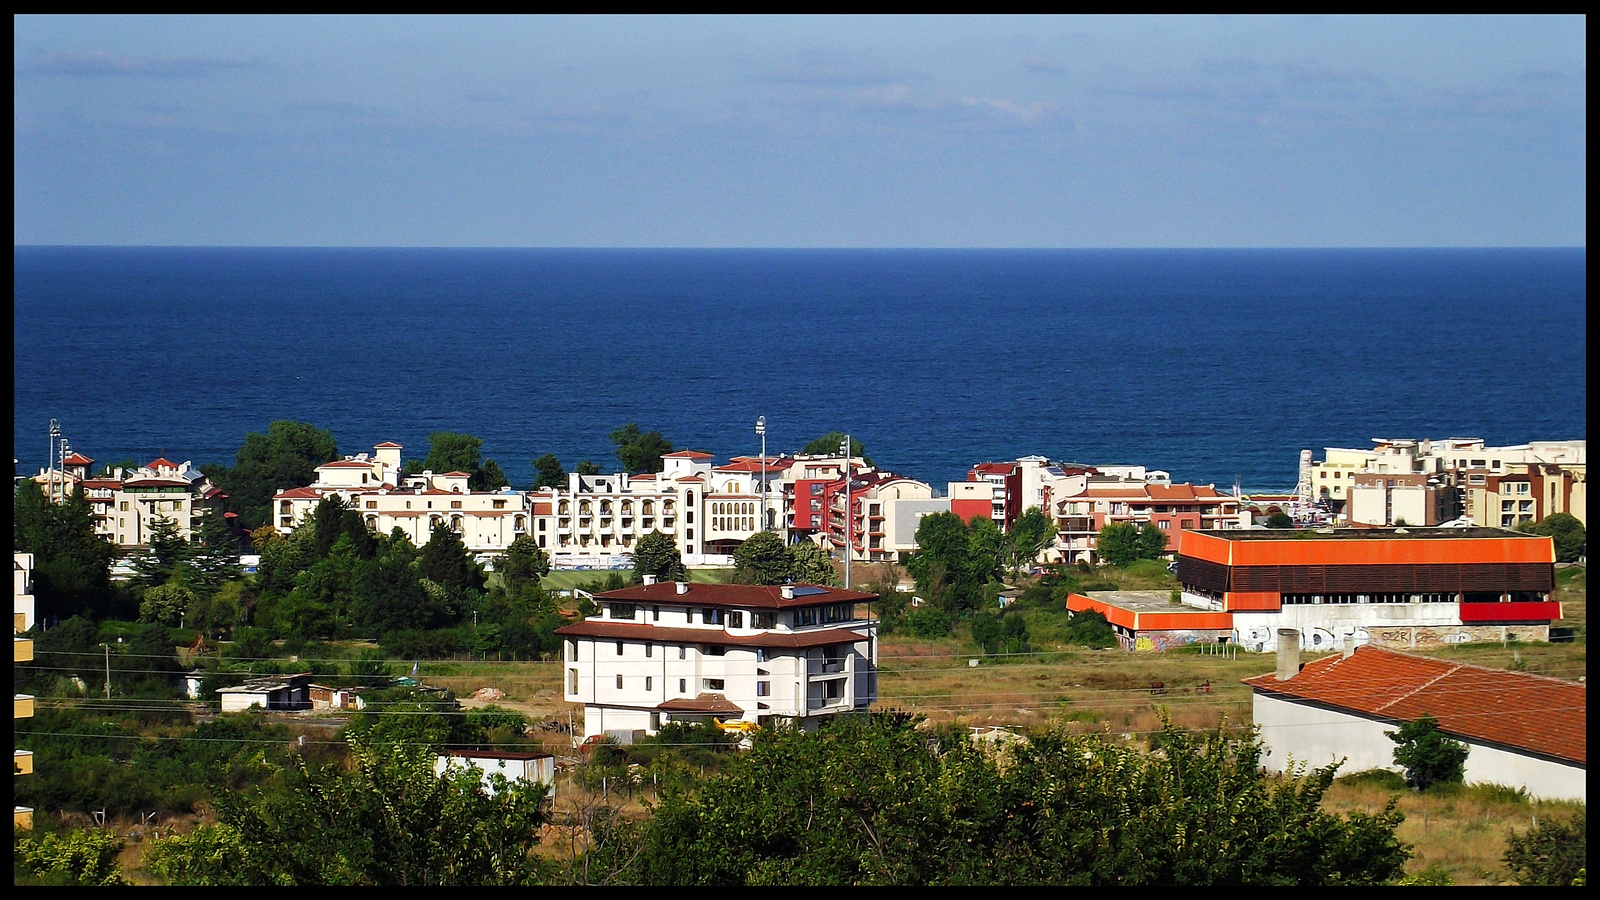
800,132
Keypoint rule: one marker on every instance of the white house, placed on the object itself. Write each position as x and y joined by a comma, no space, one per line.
1521,730
676,651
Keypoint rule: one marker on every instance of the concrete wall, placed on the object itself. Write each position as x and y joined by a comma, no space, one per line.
1292,731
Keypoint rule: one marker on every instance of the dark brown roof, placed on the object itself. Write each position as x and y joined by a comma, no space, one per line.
1547,716
746,596
783,640
706,703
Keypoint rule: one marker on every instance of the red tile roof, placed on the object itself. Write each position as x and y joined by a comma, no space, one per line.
387,445
1543,715
458,474
349,464
686,454
77,459
300,493
995,468
160,462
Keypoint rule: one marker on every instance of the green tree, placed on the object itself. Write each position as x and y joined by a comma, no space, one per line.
69,858
1152,541
945,566
450,451
1280,519
168,551
1428,756
1568,532
640,451
446,562
829,444
810,564
1554,853
490,477
286,456
215,560
524,563
928,622
548,473
874,800
1118,544
387,821
1090,629
762,559
1030,534
657,554
166,603
587,467
72,563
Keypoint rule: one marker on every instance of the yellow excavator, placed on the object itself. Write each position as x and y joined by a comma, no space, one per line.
738,726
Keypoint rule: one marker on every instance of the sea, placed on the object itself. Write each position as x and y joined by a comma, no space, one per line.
1218,366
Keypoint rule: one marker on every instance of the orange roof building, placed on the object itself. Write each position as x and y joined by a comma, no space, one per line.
1525,731
1396,587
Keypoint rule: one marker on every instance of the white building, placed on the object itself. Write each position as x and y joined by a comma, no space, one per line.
680,652
533,768
1521,730
487,521
126,502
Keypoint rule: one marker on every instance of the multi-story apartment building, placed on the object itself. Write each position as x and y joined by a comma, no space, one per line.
884,511
22,652
126,502
1390,498
487,521
681,652
1087,503
1015,487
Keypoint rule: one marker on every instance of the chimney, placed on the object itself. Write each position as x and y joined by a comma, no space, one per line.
787,591
1288,653
649,579
1349,645
683,587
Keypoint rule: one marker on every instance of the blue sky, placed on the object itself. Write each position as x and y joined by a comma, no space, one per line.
800,132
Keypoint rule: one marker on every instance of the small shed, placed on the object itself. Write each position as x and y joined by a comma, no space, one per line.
278,692
534,768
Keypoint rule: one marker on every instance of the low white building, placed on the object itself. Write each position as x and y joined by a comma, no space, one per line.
1521,730
533,768
681,652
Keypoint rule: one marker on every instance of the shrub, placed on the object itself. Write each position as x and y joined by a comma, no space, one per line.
1555,853
1090,629
928,623
1428,756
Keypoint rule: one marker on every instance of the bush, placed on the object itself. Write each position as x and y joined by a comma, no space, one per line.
1428,756
1090,629
928,623
70,858
1555,853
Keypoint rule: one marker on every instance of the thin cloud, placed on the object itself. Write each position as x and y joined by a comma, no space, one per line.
1044,65
98,64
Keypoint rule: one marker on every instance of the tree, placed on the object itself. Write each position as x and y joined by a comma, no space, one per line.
1118,544
829,444
640,451
450,451
1555,853
1030,533
166,603
762,559
875,800
1090,629
1280,519
587,467
215,561
85,857
446,562
657,554
810,564
168,551
944,564
1568,532
1152,541
548,473
524,563
1428,756
72,563
387,821
286,456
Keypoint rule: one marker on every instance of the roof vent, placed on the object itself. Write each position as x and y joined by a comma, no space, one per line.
1401,531
683,587
649,579
787,591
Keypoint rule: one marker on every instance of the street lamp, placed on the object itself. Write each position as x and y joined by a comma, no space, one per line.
849,513
761,429
50,461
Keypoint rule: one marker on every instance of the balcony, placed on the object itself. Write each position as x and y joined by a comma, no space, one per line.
23,761
23,705
21,650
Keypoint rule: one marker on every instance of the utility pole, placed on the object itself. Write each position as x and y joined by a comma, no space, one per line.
108,670
50,461
761,429
848,512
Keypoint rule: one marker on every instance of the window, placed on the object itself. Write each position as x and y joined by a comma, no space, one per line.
619,682
762,619
716,650
572,680
683,652
623,611
372,504
125,505
648,686
711,616
455,504
1164,525
649,650
714,684
572,649
683,685
832,690
655,613
619,648
736,619
499,504
1522,489
763,689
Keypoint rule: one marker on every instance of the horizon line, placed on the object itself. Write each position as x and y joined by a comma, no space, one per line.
17,246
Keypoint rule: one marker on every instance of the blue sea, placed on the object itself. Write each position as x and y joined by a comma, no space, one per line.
1215,365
